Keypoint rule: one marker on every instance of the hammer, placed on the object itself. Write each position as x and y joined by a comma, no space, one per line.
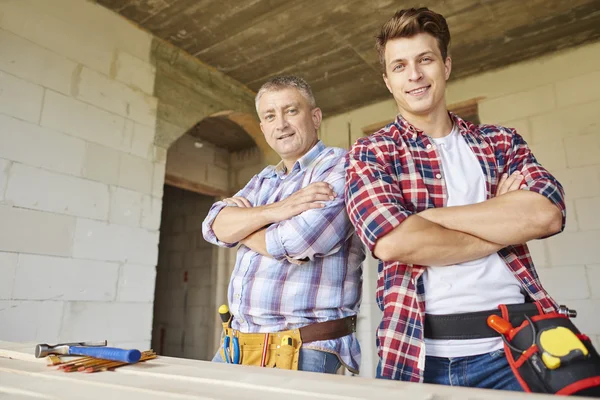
91,349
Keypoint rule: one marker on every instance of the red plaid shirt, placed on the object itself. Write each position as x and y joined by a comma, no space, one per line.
395,173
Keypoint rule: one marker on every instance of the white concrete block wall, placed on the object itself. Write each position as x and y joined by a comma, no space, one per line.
555,107
80,179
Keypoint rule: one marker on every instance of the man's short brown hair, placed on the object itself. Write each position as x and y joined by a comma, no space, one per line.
410,22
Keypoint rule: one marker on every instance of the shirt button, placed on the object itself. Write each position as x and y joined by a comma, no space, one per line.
414,136
237,296
241,321
439,176
428,146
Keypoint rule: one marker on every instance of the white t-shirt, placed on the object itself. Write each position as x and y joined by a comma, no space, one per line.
472,286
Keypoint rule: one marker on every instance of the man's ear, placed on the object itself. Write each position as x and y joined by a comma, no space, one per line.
317,117
447,67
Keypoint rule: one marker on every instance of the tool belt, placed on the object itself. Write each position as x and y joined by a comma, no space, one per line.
279,349
545,351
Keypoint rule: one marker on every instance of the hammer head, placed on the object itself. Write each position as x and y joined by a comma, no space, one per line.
42,350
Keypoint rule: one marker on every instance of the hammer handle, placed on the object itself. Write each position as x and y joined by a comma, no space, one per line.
107,353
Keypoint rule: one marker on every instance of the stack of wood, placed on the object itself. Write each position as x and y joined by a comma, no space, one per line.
92,364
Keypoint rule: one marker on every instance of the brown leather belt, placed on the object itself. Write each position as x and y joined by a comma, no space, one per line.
328,330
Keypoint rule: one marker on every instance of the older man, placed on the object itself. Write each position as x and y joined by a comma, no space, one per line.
299,264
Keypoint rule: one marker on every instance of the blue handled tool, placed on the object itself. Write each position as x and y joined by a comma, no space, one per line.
107,353
226,349
97,350
236,350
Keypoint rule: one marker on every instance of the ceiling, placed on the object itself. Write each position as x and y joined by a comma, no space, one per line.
230,135
331,42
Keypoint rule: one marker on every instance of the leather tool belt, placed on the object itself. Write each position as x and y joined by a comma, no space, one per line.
545,351
279,349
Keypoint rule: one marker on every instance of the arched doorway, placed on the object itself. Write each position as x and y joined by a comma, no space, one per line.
211,160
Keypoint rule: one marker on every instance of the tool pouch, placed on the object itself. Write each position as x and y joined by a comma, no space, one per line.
548,354
251,346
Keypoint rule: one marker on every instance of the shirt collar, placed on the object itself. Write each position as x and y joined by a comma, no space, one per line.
302,163
408,131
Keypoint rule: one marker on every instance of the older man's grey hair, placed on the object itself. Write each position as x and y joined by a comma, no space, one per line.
284,82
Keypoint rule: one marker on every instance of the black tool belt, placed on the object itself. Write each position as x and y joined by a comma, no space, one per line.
473,325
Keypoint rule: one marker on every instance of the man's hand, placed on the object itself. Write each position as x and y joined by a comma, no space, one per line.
304,199
510,183
237,201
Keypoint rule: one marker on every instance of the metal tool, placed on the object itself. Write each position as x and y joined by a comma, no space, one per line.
564,310
44,349
96,350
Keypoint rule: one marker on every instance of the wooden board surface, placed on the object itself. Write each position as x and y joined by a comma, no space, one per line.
174,378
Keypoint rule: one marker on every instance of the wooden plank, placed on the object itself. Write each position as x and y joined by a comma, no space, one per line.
195,187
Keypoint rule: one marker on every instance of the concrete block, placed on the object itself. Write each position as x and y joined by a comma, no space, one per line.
151,213
135,173
8,267
36,232
193,223
566,122
142,143
572,224
101,241
565,283
143,108
518,105
101,163
539,252
37,189
587,320
575,248
101,91
57,278
134,72
111,321
593,277
128,133
125,207
199,297
136,283
35,64
217,177
41,147
19,98
587,213
30,321
595,341
583,151
550,154
141,345
579,182
175,260
70,38
201,277
578,90
160,155
4,170
222,158
181,242
251,156
68,115
158,180
522,126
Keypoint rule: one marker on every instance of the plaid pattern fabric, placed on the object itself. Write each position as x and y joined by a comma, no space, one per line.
395,173
271,294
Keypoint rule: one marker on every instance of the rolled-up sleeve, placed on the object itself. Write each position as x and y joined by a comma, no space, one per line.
248,192
316,232
374,198
537,178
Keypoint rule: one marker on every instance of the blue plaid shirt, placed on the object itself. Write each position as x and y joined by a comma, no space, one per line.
272,294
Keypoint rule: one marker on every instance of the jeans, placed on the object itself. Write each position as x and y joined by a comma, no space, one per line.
309,360
486,371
